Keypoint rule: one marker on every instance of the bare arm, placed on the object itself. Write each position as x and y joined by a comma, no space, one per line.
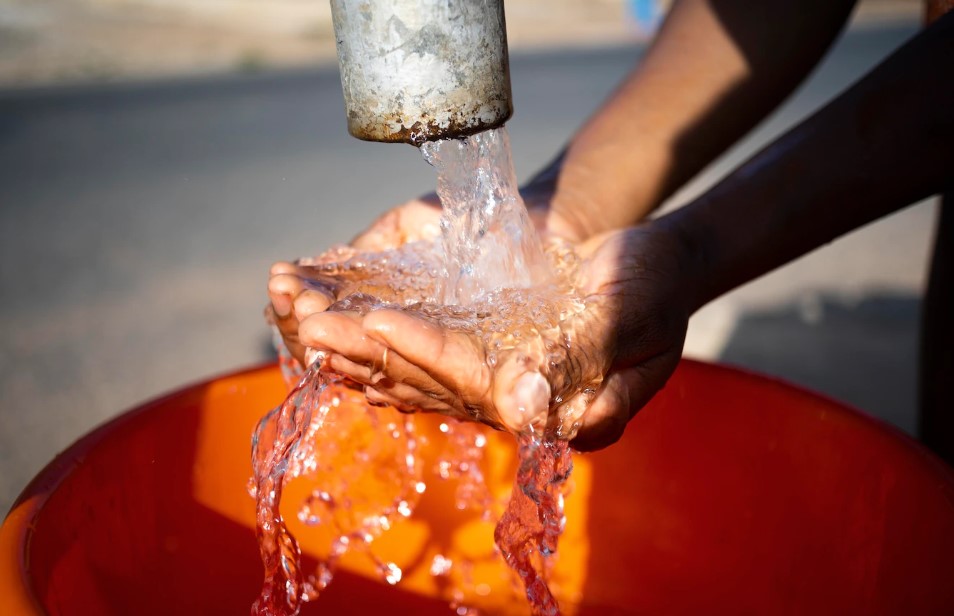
887,142
716,68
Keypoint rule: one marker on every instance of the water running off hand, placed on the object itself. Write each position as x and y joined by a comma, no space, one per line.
489,276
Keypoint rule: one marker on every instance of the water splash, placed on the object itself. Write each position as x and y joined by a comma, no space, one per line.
529,530
275,444
488,240
366,474
461,461
488,275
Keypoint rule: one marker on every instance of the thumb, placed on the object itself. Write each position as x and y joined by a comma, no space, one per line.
521,395
623,394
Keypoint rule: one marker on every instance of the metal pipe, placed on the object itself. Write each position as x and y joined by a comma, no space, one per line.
420,70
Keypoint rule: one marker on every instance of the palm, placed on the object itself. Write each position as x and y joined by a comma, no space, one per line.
632,331
636,278
296,293
415,220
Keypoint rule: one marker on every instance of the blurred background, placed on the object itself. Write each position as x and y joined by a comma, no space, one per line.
156,156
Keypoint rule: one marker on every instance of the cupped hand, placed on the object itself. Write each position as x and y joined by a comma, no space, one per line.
295,292
635,283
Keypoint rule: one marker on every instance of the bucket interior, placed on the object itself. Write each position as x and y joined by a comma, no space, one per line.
728,492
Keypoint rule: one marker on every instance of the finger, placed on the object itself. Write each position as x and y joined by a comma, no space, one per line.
415,220
289,338
282,290
604,418
379,398
283,286
384,233
359,373
288,290
282,267
373,376
394,368
648,378
370,363
624,393
400,394
452,359
521,395
408,382
341,333
310,301
295,297
423,393
420,219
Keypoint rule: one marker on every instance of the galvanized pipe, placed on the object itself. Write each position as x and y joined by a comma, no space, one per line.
420,70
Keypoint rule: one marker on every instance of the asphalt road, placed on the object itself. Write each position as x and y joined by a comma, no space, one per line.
137,224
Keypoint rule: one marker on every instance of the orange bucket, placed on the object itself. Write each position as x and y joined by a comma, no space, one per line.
729,493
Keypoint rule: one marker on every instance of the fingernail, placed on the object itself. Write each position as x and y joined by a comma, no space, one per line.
282,305
373,397
314,355
528,402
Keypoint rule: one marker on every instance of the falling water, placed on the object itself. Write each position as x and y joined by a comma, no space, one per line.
488,275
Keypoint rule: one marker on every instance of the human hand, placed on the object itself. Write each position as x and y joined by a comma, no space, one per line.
632,330
295,292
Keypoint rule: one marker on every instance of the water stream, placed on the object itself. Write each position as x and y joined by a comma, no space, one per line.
489,276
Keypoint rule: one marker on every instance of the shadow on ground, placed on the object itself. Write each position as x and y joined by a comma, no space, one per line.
862,351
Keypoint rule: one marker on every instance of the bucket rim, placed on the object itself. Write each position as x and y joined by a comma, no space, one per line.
18,527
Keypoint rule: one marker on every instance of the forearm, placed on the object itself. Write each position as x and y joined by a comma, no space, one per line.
716,68
885,143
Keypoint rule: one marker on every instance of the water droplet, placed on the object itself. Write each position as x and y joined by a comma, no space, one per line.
440,565
393,574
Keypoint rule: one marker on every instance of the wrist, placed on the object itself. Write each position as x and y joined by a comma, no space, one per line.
584,193
693,253
556,206
575,202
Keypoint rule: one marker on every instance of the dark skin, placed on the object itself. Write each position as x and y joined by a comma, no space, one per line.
872,151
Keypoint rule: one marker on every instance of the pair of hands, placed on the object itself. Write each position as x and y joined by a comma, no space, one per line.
634,282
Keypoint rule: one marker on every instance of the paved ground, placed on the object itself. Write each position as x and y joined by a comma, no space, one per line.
137,223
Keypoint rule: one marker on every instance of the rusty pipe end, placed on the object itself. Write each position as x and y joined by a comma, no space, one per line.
458,125
420,70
